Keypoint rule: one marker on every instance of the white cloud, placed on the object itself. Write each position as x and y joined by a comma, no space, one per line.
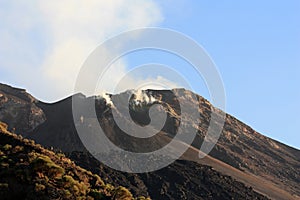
44,43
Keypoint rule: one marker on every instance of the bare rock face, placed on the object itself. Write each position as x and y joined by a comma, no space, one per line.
19,110
242,147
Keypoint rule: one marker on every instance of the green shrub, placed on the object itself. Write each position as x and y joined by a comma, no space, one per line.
98,181
67,194
39,187
7,147
109,188
3,186
97,195
18,149
68,181
121,193
3,158
4,165
60,155
76,187
46,165
143,198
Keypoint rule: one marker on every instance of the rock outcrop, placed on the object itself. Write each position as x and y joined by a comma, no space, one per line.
19,109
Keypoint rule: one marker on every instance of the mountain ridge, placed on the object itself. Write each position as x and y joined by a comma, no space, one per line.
239,146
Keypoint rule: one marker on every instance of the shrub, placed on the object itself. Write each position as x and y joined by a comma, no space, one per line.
97,195
46,165
75,190
76,187
67,194
18,149
143,198
3,126
3,186
4,165
109,188
68,181
39,187
3,158
7,147
121,193
97,181
60,155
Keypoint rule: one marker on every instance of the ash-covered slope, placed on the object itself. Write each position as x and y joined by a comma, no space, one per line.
239,146
181,180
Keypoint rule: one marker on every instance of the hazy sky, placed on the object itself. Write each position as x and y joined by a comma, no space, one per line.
255,45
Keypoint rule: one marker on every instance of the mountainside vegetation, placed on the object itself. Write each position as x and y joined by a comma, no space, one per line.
29,171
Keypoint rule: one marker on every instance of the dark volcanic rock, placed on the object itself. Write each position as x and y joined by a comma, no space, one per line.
61,136
180,180
239,146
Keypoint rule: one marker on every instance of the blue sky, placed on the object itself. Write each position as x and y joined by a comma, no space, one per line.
255,45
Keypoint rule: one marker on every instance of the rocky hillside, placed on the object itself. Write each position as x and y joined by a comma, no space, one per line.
268,166
19,110
181,180
28,171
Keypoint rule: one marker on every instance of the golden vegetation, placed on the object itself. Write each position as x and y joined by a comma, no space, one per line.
29,171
